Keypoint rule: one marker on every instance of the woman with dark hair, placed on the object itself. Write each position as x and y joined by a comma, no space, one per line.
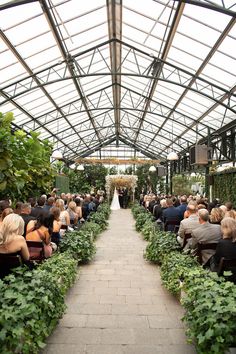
56,237
41,230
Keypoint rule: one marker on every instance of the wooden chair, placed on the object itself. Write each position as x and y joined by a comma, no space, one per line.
187,236
202,247
173,223
36,250
8,261
227,265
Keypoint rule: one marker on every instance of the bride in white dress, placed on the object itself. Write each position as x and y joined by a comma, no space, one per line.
115,205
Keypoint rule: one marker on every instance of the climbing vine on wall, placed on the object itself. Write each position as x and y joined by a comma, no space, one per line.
224,186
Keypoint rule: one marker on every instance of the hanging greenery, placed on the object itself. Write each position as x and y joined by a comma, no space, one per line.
224,184
25,168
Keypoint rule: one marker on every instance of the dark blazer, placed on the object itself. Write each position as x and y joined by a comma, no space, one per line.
225,248
182,208
206,233
169,214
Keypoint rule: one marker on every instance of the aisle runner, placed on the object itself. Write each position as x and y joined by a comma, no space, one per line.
118,305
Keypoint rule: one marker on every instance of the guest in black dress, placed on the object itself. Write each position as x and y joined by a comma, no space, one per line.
227,246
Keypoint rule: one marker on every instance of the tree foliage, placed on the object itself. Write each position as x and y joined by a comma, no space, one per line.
24,162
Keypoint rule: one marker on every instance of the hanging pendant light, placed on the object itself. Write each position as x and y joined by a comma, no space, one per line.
152,169
80,168
57,155
172,156
73,166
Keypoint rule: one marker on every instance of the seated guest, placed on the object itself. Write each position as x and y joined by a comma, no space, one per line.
78,209
49,204
171,214
64,216
38,210
157,211
40,230
230,214
25,214
17,209
11,239
72,213
152,203
183,206
190,223
205,233
216,215
229,206
56,237
227,245
223,207
5,212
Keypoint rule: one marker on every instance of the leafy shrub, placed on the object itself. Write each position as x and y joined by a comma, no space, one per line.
160,244
31,302
93,228
210,311
137,209
174,267
100,219
141,219
105,209
148,230
79,244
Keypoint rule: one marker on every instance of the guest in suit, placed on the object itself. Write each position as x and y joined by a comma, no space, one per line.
171,214
227,246
183,205
189,224
25,214
205,233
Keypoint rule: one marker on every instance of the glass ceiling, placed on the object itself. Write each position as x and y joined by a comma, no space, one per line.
153,75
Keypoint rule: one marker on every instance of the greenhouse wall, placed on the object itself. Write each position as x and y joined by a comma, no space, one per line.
224,186
62,183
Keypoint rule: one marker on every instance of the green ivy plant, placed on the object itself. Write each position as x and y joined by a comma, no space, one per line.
174,267
31,302
148,230
79,244
160,244
210,311
141,220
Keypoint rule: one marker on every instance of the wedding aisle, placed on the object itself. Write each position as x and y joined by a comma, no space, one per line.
118,305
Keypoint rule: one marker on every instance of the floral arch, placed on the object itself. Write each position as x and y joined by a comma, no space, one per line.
120,181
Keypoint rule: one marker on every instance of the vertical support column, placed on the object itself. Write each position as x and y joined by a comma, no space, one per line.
167,178
171,175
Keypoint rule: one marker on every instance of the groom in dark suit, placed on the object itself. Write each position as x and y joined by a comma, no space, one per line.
121,197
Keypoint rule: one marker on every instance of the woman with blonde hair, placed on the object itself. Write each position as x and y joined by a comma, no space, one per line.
216,216
64,216
72,213
11,239
227,245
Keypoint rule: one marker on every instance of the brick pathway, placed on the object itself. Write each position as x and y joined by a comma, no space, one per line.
118,305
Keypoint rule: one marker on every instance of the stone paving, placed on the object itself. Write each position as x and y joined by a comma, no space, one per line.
118,305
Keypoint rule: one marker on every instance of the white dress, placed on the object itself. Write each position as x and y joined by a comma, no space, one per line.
115,205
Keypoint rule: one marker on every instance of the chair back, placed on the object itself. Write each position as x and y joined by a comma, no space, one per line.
187,236
204,246
36,250
174,224
8,261
227,265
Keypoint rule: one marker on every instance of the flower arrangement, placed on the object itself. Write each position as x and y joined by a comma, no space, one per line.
120,181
